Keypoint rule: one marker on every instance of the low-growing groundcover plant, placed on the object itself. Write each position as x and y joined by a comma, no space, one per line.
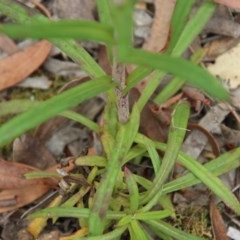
121,202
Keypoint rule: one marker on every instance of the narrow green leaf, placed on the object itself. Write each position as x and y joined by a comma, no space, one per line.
153,154
107,141
72,212
64,29
110,116
176,83
181,68
205,173
193,27
21,105
91,161
104,12
122,16
75,198
135,77
105,17
176,135
152,215
150,88
123,141
16,106
131,128
114,234
137,231
221,165
169,230
133,153
212,182
124,221
179,19
133,190
48,109
81,119
20,14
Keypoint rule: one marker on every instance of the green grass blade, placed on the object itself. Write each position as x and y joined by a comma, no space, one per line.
193,27
81,119
122,16
176,83
150,88
175,138
212,182
64,29
153,154
72,212
16,106
133,190
133,153
152,215
91,161
181,68
204,173
137,231
169,230
113,235
221,165
17,12
21,105
48,109
122,143
208,173
104,12
135,77
179,19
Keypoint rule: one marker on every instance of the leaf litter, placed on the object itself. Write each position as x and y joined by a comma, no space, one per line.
41,145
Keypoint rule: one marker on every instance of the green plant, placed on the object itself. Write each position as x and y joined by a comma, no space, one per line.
124,201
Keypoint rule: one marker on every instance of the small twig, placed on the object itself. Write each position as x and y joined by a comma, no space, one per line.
119,75
42,8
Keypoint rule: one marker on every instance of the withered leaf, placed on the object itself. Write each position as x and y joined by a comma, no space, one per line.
18,191
219,229
17,67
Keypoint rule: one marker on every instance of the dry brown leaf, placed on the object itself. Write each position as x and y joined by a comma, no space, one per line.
12,175
219,229
18,191
160,31
219,46
229,3
17,67
8,45
32,151
161,25
11,199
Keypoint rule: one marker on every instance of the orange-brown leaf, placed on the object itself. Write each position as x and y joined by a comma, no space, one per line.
219,229
229,3
15,198
15,68
18,191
